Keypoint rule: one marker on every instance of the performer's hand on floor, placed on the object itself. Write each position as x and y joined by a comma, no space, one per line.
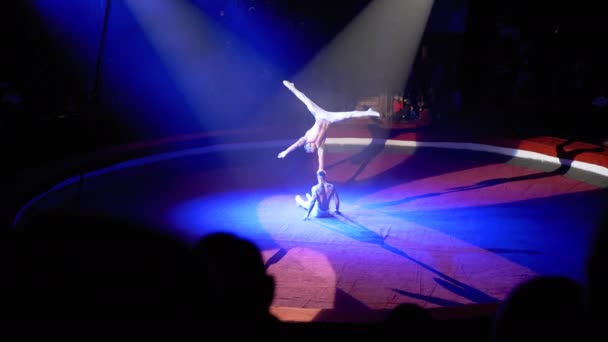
306,218
338,212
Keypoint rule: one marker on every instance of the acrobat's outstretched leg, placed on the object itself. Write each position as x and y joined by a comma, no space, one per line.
312,107
339,116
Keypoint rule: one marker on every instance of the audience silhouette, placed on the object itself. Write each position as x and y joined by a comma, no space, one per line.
409,320
89,275
76,274
238,291
596,298
543,307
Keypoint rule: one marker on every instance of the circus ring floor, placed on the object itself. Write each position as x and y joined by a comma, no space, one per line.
442,225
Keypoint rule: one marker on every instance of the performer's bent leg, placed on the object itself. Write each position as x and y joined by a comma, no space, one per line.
312,107
302,203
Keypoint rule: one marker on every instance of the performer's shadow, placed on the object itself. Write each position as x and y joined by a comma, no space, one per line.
354,230
565,157
371,151
344,225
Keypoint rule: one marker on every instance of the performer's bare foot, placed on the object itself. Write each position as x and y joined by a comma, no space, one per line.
288,84
374,112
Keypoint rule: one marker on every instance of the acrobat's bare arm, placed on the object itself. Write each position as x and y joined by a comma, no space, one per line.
295,145
321,155
337,201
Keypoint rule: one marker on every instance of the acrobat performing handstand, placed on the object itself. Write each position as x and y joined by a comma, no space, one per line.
314,139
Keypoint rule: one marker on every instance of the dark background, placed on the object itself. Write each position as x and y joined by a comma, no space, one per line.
80,76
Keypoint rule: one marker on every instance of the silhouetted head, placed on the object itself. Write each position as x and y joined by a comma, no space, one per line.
541,307
321,175
101,272
235,277
409,319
